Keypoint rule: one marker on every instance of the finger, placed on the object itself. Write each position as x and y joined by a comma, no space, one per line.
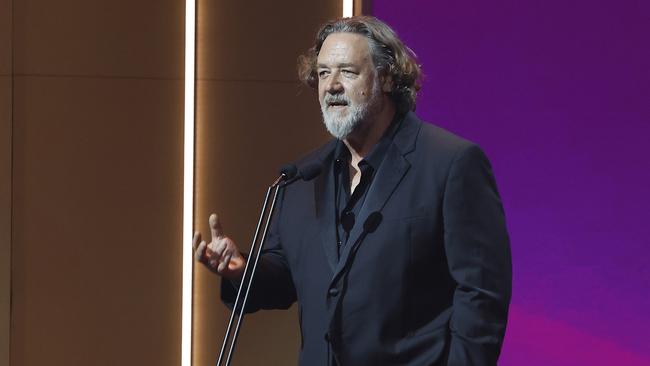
219,248
196,240
209,251
215,227
223,265
215,249
199,253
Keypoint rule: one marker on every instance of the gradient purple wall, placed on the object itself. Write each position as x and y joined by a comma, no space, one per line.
558,94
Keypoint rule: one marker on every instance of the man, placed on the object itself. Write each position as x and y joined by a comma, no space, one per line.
397,253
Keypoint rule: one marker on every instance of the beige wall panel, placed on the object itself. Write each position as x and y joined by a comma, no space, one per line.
5,179
97,222
5,215
245,132
100,38
257,40
362,7
5,37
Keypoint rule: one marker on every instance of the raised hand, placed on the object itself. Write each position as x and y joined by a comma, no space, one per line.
221,255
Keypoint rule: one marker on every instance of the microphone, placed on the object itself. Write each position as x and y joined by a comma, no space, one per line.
288,174
288,171
310,171
306,173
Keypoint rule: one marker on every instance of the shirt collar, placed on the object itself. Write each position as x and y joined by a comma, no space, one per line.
376,155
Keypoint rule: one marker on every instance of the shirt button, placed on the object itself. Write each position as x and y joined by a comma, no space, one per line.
333,292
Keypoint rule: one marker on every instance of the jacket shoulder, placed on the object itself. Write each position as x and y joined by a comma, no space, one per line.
440,143
318,155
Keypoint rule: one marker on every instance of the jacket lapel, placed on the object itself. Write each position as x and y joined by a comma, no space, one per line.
388,176
325,208
390,173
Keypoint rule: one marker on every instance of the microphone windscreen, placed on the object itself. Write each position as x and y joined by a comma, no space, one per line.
288,171
311,171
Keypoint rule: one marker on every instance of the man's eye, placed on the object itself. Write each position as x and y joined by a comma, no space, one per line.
348,72
323,73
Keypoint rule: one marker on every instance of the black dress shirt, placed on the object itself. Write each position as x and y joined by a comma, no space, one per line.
348,204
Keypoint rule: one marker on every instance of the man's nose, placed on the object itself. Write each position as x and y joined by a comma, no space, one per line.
334,85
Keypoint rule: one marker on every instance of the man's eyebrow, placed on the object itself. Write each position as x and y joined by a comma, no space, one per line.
345,64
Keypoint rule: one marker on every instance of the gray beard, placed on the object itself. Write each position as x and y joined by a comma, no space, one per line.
341,126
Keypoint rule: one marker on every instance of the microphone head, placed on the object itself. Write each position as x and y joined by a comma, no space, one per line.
288,171
310,171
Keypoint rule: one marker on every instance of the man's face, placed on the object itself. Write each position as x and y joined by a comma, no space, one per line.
349,89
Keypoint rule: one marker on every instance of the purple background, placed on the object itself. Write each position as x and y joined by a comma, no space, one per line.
557,92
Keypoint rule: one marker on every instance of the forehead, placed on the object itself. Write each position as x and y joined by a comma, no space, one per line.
344,48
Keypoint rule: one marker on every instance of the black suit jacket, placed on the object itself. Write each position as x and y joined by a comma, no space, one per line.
427,283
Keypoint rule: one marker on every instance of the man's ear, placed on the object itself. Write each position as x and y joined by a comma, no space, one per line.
386,83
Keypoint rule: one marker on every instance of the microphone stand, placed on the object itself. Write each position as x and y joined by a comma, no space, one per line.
247,284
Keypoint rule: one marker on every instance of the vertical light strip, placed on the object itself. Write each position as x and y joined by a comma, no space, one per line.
348,8
188,184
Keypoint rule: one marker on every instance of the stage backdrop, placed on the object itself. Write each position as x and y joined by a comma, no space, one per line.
558,94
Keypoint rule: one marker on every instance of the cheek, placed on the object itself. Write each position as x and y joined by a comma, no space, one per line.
362,94
321,91
364,89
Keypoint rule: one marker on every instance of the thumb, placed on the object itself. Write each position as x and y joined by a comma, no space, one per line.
215,227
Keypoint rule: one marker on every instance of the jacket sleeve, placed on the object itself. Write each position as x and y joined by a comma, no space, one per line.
272,286
479,259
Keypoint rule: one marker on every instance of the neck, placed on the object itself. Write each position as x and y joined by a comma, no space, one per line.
365,137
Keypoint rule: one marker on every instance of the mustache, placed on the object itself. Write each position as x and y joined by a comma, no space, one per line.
335,98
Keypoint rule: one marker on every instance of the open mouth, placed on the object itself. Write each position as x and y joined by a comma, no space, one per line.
335,104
